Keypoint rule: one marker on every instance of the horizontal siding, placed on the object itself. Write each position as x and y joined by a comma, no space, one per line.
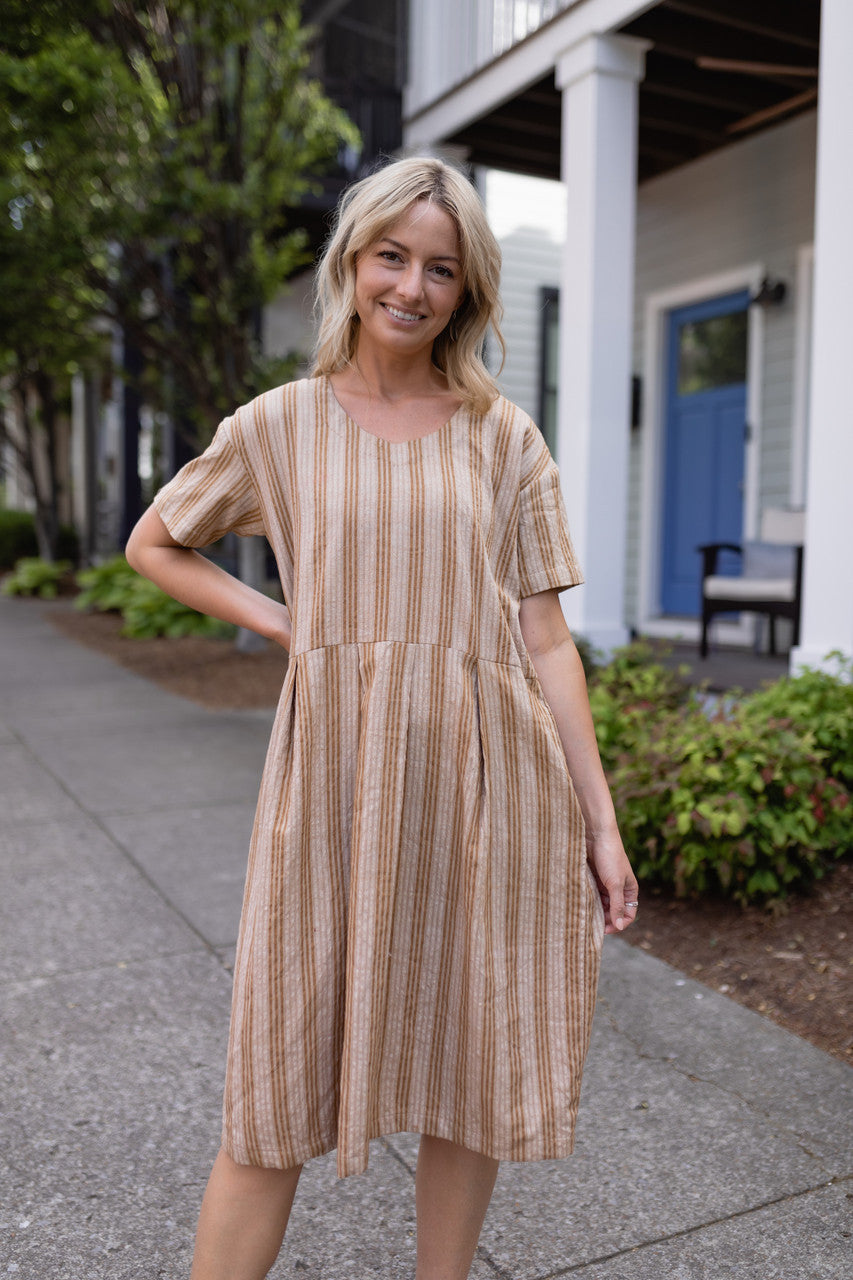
531,261
750,203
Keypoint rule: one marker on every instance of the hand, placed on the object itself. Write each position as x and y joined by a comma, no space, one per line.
616,882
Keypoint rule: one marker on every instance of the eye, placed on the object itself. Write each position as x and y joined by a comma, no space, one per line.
390,254
443,271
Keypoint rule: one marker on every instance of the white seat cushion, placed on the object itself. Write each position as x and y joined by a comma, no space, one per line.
719,587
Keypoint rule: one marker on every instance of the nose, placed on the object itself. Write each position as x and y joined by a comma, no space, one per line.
410,282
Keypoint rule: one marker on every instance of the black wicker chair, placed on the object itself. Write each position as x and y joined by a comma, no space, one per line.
773,589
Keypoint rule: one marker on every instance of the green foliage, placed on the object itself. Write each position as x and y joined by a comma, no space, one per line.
18,539
35,577
150,612
107,587
819,702
743,800
113,587
627,695
150,158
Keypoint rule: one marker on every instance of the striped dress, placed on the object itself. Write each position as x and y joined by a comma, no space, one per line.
420,935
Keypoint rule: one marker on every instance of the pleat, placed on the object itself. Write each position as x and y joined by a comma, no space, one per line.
375,873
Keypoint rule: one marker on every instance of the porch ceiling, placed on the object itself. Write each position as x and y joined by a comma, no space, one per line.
685,109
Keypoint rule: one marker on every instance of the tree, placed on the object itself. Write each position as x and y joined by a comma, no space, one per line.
53,187
151,159
238,131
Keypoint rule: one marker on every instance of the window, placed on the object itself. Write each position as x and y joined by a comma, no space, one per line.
549,365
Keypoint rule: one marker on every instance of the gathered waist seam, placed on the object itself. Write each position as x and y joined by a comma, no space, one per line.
417,644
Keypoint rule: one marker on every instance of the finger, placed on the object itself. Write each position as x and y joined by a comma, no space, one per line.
631,906
617,907
624,904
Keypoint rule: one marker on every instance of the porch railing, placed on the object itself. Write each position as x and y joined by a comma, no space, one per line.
451,39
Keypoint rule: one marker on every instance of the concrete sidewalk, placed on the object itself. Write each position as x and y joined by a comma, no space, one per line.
711,1144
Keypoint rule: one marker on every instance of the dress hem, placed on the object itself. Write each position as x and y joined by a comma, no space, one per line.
353,1165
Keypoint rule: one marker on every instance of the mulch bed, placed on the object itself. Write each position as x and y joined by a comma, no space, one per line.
794,967
212,673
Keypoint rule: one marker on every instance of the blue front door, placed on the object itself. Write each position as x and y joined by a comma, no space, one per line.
705,439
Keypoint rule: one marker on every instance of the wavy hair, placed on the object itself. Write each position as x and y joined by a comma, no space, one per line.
366,212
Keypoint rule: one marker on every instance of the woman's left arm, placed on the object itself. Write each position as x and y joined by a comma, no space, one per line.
558,666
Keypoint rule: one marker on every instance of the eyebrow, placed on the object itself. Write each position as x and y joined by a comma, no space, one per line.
435,257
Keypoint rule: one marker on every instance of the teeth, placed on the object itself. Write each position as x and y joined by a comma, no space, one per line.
402,315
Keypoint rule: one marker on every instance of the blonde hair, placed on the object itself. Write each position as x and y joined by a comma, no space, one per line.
366,212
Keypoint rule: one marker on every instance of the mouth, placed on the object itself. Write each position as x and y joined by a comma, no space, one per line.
408,317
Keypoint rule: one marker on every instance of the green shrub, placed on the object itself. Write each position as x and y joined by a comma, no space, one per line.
18,539
147,611
34,577
819,702
107,587
151,612
713,804
746,799
629,694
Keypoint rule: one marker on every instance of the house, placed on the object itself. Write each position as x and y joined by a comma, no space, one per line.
700,354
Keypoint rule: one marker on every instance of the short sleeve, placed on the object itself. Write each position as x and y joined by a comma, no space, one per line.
211,496
546,557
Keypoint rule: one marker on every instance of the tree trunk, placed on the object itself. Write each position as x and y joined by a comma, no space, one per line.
47,495
24,440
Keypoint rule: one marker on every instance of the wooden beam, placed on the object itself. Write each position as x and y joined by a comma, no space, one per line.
797,20
675,78
798,103
769,70
686,37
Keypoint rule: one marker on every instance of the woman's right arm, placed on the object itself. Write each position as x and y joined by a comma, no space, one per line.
197,582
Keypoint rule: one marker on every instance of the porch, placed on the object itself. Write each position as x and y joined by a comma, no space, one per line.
725,667
605,93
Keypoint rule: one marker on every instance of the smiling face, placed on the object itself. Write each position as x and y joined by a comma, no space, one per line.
408,284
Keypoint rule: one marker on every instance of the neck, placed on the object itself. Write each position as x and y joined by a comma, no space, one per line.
385,377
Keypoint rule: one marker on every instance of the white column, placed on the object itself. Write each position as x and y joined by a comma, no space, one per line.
827,618
599,78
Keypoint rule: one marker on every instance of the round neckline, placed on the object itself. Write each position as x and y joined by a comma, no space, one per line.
371,435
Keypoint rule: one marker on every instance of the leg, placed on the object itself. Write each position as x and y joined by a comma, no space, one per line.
242,1221
452,1192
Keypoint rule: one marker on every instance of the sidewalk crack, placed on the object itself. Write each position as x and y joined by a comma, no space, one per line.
788,1198
755,1108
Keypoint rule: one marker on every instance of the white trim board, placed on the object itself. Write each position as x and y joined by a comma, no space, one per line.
802,369
658,304
427,120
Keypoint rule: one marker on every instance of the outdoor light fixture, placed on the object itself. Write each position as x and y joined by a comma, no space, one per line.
770,293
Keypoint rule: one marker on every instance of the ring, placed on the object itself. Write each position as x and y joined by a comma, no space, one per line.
632,904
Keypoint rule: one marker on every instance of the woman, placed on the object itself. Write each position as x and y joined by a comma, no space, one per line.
435,855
